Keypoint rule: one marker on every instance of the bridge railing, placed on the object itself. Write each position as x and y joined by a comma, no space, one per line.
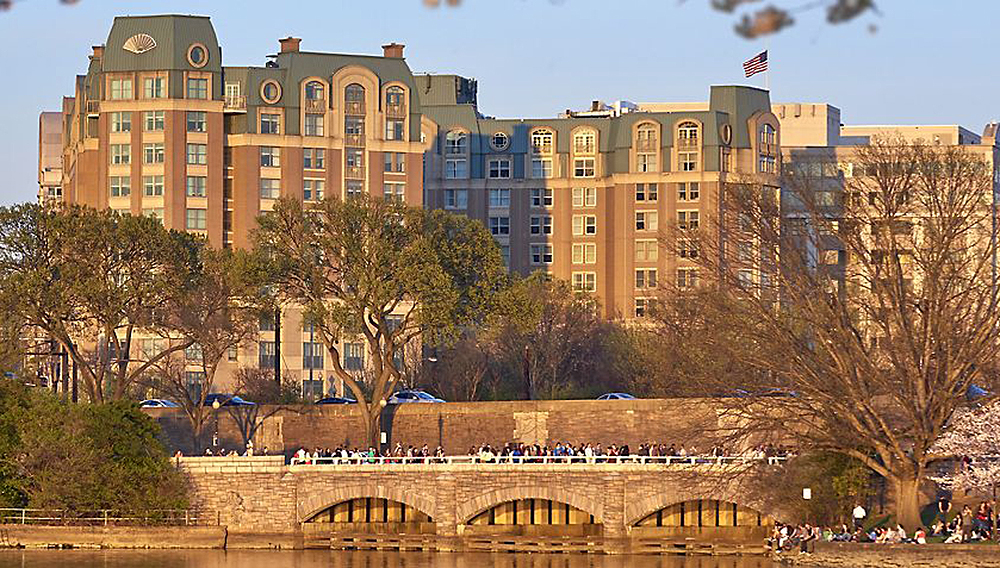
106,517
487,461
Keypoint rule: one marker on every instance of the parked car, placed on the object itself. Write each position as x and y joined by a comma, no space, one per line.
158,403
226,400
412,396
336,400
616,396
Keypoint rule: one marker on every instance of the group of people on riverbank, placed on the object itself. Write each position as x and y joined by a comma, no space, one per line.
788,537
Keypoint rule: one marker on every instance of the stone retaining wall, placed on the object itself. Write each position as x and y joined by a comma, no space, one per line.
33,536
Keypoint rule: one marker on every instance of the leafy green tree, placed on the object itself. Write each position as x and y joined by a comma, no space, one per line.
384,272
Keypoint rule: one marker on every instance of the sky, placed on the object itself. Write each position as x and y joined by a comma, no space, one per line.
929,62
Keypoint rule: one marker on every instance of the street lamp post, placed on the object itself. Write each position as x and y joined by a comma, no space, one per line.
215,411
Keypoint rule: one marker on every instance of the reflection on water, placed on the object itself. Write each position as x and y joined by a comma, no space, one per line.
351,559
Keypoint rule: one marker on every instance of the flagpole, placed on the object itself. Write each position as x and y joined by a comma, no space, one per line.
767,72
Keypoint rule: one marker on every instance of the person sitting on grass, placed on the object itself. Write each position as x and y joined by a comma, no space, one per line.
920,537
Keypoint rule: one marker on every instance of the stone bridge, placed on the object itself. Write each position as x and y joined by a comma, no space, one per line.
264,496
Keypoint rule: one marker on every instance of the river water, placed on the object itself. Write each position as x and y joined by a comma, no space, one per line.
351,559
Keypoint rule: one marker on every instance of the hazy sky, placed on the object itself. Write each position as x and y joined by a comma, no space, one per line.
929,62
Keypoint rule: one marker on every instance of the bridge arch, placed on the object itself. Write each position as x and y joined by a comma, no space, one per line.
468,510
639,509
316,503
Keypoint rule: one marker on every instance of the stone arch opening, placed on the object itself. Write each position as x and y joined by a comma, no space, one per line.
318,503
368,510
476,506
704,513
532,512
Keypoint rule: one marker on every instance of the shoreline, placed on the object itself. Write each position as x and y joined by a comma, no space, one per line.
864,555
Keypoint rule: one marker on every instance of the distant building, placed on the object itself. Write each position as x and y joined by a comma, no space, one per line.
50,156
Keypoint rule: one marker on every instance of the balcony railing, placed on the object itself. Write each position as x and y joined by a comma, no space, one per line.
584,148
93,108
395,110
235,103
646,145
355,108
355,140
500,462
687,142
355,172
314,105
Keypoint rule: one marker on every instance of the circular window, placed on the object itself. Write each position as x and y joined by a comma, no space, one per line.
197,55
270,91
500,141
727,134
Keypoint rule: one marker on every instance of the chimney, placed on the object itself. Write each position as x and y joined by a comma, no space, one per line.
98,51
290,44
393,49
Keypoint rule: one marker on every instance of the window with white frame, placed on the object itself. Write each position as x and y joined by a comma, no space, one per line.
541,168
394,191
646,192
196,186
645,278
121,89
395,129
153,120
541,253
688,220
541,197
152,186
354,188
121,122
505,253
499,168
499,141
584,253
646,220
541,225
312,355
456,198
687,135
456,142
768,135
642,306
196,121
689,191
153,153
394,162
583,167
270,157
584,142
585,281
270,123
687,278
646,147
313,124
313,189
120,186
767,165
584,197
499,198
456,168
541,142
584,225
646,250
354,356
687,161
197,88
314,158
645,162
499,226
270,188
154,87
197,154
120,154
196,219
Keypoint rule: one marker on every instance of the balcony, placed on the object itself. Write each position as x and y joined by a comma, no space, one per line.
93,108
356,108
355,140
646,145
687,142
355,172
234,103
583,148
314,105
395,110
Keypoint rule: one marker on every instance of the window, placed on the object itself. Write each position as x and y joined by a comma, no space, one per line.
314,124
312,189
312,355
193,352
499,168
584,225
121,154
265,354
153,213
499,141
766,162
456,198
642,306
266,322
688,191
197,88
585,281
153,120
232,353
270,188
768,165
541,254
270,123
744,278
687,278
270,157
196,186
744,252
541,197
584,196
394,129
354,356
686,248
687,135
197,154
152,186
505,253
687,220
313,158
395,162
395,96
152,153
499,226
196,121
646,162
456,142
394,191
584,143
314,91
541,142
541,225
121,89
499,198
768,136
725,157
541,168
647,192
688,161
120,186
196,219
584,253
583,167
645,278
354,125
154,87
355,158
233,98
121,122
354,188
646,250
456,169
646,220
646,147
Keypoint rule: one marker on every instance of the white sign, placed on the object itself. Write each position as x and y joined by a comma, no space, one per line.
384,438
807,493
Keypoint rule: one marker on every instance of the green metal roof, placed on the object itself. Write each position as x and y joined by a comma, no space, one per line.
173,35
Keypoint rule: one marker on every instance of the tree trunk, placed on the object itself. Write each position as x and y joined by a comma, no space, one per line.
372,417
907,499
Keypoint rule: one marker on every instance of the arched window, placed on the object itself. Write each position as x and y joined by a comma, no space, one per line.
541,141
314,91
456,142
687,146
646,148
354,98
394,96
768,135
584,142
767,161
687,134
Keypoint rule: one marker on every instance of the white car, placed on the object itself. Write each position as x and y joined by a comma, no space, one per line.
412,396
616,396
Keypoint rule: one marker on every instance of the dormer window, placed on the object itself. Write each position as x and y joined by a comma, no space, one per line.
584,143
541,142
688,146
456,142
646,148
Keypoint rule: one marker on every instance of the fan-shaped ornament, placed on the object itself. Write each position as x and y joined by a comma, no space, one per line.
139,43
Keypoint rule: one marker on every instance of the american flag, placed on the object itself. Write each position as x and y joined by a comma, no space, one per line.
756,64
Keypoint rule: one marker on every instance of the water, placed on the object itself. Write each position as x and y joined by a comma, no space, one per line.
350,559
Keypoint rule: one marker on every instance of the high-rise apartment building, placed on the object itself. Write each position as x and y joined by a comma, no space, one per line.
159,126
50,153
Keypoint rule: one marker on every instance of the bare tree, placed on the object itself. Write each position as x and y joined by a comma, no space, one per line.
881,313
